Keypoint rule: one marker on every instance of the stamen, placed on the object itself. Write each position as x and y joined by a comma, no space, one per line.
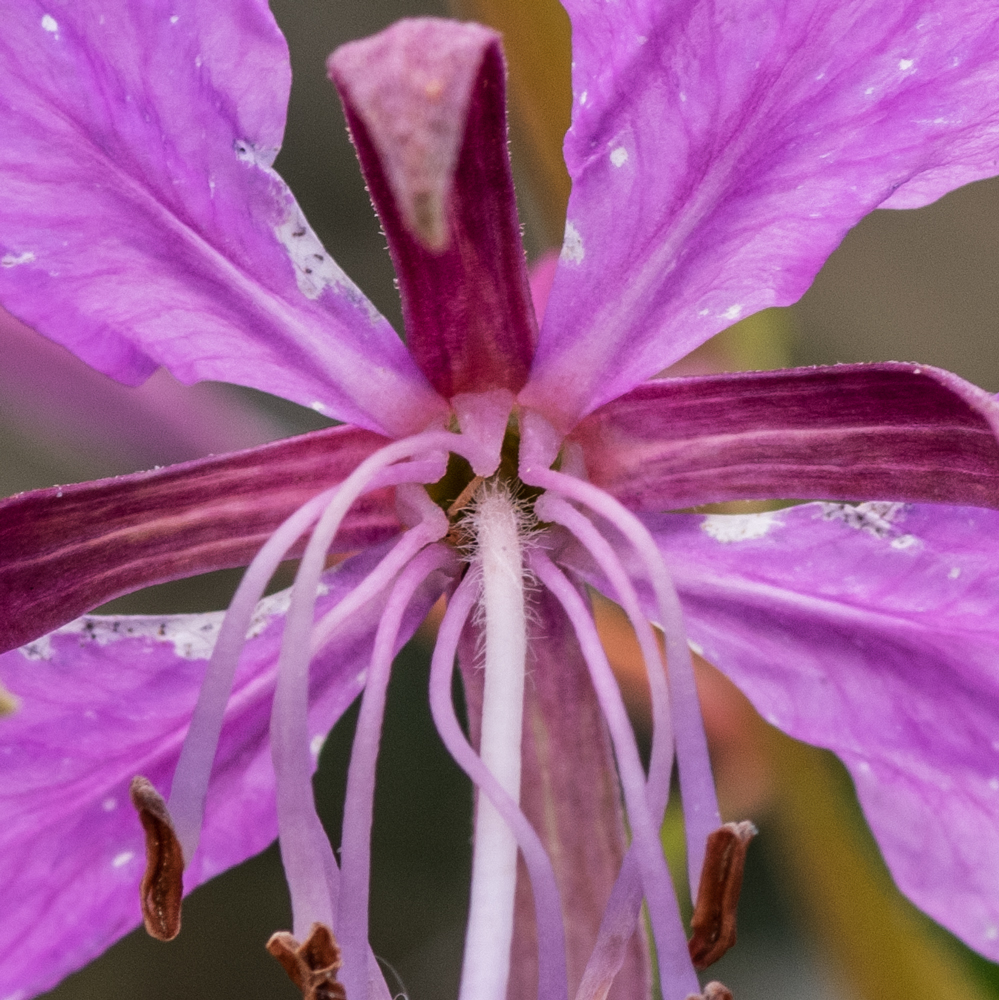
494,858
552,508
700,803
300,832
664,912
162,886
552,976
190,781
713,922
432,528
311,966
355,852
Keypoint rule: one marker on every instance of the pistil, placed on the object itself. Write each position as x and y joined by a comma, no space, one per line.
497,527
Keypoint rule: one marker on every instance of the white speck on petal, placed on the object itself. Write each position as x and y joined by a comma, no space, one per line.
733,312
192,636
40,649
109,804
991,932
583,96
863,767
12,260
905,64
695,647
247,152
122,859
869,91
315,269
739,527
619,156
49,23
174,18
904,542
954,573
572,246
876,517
316,744
317,406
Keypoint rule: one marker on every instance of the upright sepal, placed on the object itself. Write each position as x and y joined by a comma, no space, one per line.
425,105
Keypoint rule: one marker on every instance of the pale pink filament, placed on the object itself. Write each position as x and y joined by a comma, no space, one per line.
355,853
298,825
676,973
190,780
700,804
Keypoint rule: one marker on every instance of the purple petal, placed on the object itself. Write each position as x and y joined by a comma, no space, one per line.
872,631
68,549
425,105
721,149
143,225
105,698
850,432
54,399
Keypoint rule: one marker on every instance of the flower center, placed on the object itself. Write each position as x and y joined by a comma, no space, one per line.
473,513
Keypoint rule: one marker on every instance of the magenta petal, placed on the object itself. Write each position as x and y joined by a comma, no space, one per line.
425,104
67,549
850,432
720,150
142,224
71,848
872,631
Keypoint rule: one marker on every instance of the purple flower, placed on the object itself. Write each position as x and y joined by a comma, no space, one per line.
719,152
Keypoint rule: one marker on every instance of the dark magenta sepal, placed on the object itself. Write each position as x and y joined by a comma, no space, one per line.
425,103
888,431
65,550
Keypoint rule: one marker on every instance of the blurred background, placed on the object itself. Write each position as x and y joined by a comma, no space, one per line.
819,915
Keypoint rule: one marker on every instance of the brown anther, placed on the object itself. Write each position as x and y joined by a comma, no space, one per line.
713,922
311,966
713,991
162,887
